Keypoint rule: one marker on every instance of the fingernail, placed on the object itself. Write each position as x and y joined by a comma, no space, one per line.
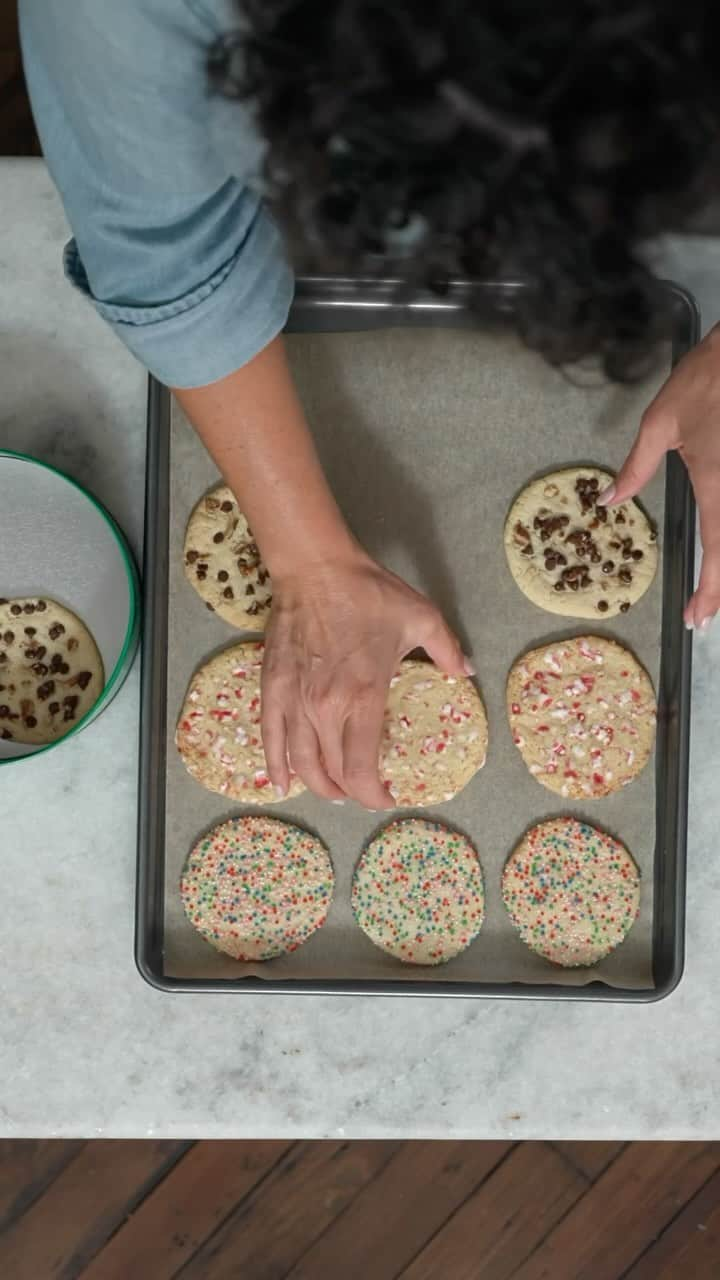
689,626
706,624
337,801
469,667
607,495
280,792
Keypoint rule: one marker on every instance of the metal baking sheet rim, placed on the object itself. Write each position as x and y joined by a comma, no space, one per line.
364,303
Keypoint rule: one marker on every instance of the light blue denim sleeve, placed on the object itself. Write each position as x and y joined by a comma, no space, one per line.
171,242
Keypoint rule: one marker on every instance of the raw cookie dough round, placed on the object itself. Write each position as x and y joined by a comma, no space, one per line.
51,673
569,555
256,887
582,713
418,893
434,735
218,732
223,562
572,892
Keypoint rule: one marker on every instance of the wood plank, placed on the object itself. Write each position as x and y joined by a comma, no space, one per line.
26,1170
591,1158
187,1206
67,1226
498,1226
397,1213
283,1217
628,1205
691,1245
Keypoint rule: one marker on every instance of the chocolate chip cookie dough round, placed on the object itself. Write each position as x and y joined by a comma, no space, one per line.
434,736
218,732
418,892
570,555
223,563
51,672
256,887
582,714
572,892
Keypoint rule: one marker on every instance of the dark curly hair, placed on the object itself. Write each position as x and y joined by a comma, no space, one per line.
491,137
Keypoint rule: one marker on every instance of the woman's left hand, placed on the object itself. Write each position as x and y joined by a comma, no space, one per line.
685,415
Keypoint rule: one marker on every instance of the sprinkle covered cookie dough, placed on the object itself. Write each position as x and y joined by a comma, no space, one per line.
256,887
434,737
572,892
418,892
582,714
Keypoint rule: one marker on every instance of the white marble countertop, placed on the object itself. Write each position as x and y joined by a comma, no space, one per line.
87,1049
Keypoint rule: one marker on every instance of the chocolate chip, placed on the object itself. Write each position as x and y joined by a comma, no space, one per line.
624,606
8,637
39,668
192,556
624,576
218,537
637,554
30,721
559,586
57,629
226,506
4,711
263,576
602,515
5,734
15,609
56,663
574,585
594,482
201,575
223,575
40,651
253,608
228,593
209,606
653,535
203,567
41,606
83,678
64,668
619,517
44,690
608,566
596,557
249,590
3,600
527,550
71,700
30,631
603,606
28,608
27,706
72,643
3,657
53,708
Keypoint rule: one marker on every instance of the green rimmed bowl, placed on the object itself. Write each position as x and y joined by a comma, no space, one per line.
57,540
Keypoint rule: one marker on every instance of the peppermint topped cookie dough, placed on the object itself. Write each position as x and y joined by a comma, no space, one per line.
582,714
434,736
256,887
223,563
418,892
572,556
218,732
572,891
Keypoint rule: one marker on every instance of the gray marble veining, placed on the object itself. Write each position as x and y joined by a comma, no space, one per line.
87,1049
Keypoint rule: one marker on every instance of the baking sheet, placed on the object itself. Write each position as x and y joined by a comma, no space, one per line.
426,436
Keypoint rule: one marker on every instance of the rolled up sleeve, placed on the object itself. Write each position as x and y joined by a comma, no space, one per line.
177,253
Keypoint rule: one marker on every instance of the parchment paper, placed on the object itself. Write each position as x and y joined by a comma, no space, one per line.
426,437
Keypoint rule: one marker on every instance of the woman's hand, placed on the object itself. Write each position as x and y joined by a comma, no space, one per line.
336,634
685,415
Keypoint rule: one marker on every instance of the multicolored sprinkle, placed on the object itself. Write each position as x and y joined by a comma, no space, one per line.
418,892
572,892
256,887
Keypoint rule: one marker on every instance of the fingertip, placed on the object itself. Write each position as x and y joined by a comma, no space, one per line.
607,496
469,666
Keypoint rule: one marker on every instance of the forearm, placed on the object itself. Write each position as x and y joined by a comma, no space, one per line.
253,425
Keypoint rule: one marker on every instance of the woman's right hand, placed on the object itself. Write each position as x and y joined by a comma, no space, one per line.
337,632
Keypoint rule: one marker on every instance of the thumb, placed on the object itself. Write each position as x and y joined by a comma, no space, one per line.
443,646
652,442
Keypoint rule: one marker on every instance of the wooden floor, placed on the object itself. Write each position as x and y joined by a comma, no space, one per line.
359,1210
